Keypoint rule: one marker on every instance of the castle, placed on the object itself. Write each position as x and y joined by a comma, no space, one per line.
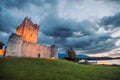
24,43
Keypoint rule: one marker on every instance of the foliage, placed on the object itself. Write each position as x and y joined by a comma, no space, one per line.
71,55
45,69
1,44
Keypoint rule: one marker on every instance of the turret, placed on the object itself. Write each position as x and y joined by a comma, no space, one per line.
54,51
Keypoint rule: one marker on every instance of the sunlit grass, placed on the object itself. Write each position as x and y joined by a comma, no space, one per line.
46,69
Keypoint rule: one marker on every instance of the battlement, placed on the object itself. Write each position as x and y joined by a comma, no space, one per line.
28,30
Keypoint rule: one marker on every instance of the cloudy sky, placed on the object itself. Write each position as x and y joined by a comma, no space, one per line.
89,26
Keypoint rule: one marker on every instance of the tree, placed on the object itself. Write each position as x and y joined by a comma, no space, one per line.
1,44
71,53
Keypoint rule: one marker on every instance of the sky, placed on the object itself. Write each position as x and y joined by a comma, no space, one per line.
90,27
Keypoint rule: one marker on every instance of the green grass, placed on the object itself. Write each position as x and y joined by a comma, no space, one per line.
45,69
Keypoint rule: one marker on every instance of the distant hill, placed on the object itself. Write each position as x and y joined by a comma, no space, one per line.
102,58
81,56
61,55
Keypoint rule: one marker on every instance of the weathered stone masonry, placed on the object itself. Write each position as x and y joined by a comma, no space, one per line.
24,43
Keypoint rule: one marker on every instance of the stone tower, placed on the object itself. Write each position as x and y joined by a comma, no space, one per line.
28,31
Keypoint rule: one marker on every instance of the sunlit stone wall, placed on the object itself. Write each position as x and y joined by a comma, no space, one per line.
28,31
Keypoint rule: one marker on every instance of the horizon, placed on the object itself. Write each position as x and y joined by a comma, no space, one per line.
90,27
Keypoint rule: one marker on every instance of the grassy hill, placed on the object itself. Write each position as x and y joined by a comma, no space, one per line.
45,69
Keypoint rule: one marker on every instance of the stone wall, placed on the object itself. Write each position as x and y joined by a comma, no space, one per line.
29,49
54,51
44,51
19,48
14,46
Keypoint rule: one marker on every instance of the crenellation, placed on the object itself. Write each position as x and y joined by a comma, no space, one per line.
36,26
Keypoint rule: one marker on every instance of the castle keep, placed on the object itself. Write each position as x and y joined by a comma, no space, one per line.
24,43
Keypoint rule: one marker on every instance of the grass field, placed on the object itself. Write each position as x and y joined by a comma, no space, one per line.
45,69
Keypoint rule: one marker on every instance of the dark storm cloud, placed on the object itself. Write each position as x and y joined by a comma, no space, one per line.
63,35
59,27
20,4
113,21
92,43
61,30
8,21
4,37
6,24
